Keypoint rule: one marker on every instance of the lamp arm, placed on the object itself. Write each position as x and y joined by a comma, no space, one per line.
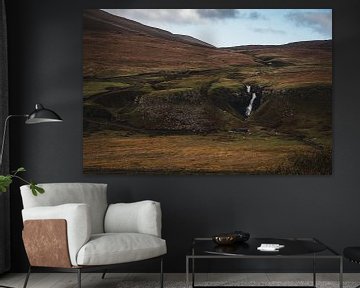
4,134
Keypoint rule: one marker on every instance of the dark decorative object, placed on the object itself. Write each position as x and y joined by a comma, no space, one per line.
242,236
225,239
231,238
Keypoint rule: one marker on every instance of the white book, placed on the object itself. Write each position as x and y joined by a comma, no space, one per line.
270,247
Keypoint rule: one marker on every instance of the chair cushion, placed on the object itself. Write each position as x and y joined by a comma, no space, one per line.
137,217
92,194
114,248
352,253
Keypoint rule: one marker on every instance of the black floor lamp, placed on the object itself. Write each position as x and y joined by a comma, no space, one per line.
39,115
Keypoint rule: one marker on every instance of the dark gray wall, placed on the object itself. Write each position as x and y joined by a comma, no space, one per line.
46,66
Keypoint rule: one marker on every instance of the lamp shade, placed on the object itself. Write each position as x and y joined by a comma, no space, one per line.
42,115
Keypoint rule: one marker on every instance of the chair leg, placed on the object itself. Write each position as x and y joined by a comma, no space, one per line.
79,277
103,275
161,273
27,277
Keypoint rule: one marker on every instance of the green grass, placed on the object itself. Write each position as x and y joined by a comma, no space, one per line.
96,87
168,92
226,83
188,82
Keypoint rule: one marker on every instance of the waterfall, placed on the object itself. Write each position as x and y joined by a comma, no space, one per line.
248,88
249,108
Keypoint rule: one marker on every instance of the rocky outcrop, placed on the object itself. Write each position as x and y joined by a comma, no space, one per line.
184,110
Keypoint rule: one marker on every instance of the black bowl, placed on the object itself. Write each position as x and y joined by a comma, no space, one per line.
224,239
241,236
231,238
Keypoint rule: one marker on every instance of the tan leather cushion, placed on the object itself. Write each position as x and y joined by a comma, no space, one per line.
77,218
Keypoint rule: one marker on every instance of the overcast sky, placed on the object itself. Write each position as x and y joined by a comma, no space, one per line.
233,27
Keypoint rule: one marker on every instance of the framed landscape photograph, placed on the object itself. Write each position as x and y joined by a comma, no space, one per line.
207,91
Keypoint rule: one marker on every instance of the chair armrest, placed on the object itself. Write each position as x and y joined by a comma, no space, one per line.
52,250
78,223
138,217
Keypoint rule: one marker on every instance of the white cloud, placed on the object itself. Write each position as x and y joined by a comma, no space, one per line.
183,16
320,22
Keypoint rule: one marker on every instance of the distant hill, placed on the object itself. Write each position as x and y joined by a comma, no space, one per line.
314,44
102,21
118,45
192,40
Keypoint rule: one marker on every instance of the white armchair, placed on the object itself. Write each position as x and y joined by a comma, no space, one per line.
72,228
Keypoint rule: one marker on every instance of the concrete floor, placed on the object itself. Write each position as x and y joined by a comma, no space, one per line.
117,280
